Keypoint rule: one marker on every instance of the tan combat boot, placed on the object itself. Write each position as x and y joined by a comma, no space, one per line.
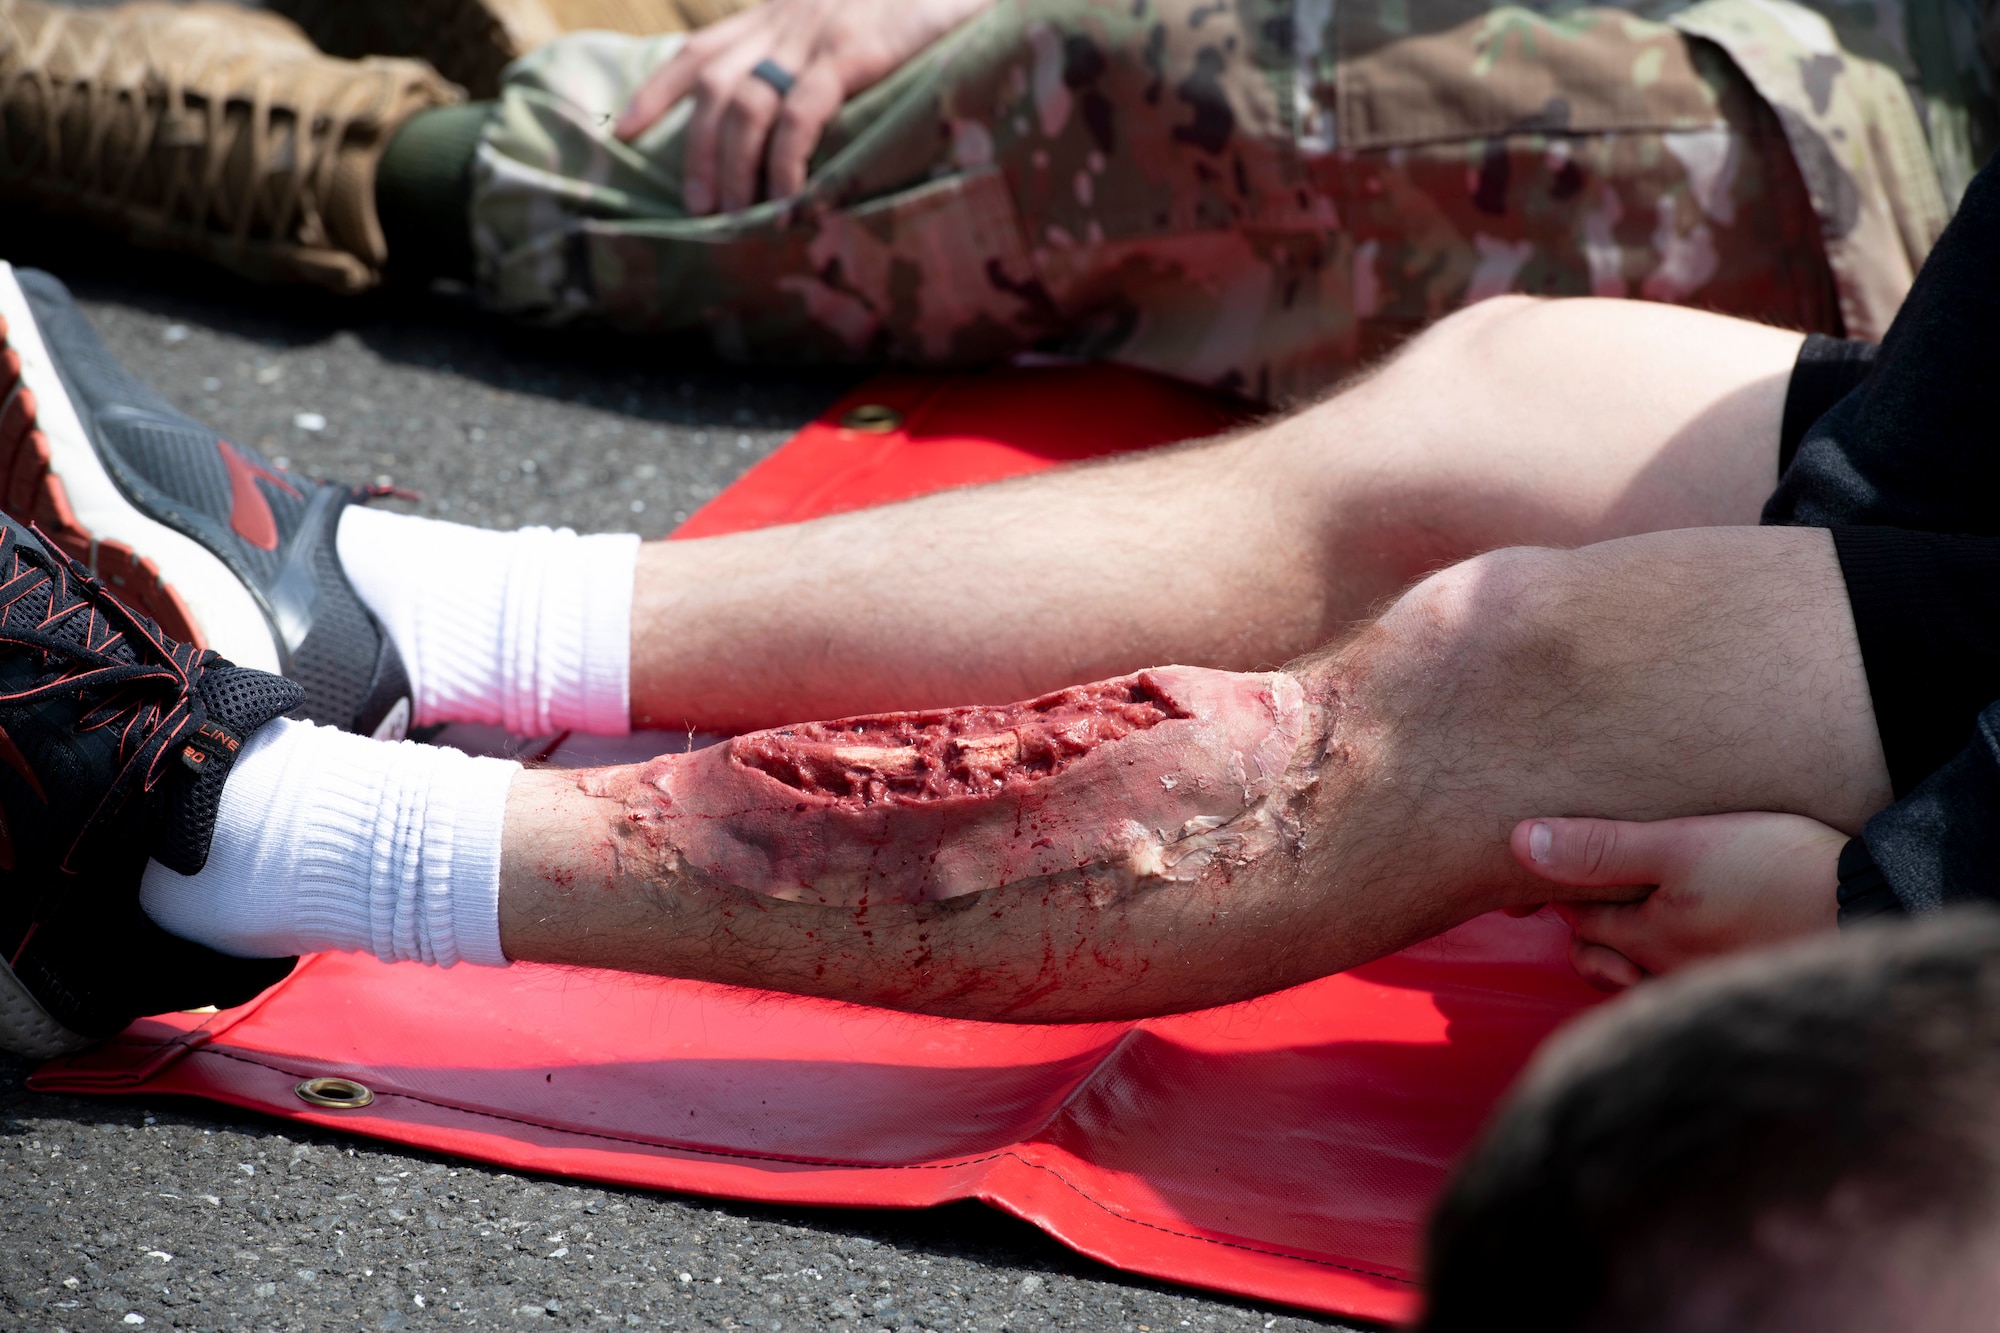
471,41
208,129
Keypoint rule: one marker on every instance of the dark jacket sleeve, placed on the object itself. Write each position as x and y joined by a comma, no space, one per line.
1937,847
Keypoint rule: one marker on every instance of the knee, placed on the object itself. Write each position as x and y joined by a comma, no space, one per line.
1489,339
1477,602
1479,635
1436,391
1495,317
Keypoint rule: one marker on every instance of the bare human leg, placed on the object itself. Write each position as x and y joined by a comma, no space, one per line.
1680,673
1515,422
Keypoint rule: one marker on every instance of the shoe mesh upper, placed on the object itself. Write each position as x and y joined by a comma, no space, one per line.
274,529
242,700
152,443
71,649
84,359
100,715
341,663
180,459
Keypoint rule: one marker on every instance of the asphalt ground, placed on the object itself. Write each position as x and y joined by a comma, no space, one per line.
121,1214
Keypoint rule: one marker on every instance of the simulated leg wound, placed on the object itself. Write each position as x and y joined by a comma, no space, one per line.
1168,775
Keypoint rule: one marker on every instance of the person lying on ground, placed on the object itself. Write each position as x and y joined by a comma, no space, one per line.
541,630
1802,1140
1150,840
1247,196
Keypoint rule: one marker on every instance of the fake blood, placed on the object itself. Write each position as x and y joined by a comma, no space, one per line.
913,757
915,807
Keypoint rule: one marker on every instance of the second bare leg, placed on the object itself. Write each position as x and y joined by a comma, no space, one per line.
1516,422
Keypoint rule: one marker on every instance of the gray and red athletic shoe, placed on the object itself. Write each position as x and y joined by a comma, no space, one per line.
115,742
219,547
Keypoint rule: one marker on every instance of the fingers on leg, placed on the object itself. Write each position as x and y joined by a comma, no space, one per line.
745,133
675,79
807,111
1600,853
715,92
1605,969
656,96
1615,926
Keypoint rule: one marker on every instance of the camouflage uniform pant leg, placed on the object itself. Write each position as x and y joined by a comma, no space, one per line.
1711,213
1189,186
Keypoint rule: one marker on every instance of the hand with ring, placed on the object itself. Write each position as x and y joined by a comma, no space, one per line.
766,82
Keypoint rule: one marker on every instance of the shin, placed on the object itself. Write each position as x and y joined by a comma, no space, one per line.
1110,848
1163,776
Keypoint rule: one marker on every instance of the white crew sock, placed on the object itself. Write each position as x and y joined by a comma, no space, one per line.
528,630
330,841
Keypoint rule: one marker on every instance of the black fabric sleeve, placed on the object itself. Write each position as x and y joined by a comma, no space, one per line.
1827,370
1912,446
1940,845
1927,614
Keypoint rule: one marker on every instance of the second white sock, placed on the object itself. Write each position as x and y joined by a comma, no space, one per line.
528,630
326,840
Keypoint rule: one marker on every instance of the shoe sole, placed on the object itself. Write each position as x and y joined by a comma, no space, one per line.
26,1028
51,476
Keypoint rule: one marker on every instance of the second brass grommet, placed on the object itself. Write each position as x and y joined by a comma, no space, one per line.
872,419
339,1094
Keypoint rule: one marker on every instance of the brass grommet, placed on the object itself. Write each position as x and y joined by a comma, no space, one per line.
873,419
339,1094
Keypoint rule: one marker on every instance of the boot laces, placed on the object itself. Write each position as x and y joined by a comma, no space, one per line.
218,122
116,663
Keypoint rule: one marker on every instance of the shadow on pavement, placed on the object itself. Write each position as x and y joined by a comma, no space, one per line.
670,381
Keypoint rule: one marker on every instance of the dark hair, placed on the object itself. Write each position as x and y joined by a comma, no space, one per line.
1847,1090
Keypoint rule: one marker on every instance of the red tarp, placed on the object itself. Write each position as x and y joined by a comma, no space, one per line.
1285,1149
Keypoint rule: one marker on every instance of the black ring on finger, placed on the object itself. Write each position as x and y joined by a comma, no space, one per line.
771,72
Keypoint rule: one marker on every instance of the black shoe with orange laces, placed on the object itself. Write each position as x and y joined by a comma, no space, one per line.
115,742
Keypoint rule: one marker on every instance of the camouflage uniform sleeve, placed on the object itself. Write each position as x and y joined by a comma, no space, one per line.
1856,136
